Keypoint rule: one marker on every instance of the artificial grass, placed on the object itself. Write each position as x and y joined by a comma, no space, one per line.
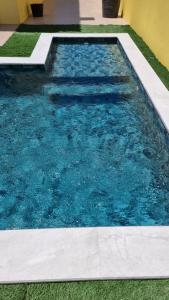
20,44
89,290
72,28
23,42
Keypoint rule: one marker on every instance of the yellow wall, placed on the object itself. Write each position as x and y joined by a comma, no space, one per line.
8,12
13,11
150,19
22,10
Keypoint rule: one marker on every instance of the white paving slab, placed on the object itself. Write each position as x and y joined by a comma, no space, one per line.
89,253
84,253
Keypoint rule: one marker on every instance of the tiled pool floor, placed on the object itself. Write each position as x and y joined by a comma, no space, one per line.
80,144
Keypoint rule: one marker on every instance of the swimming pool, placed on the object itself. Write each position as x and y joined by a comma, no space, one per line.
80,143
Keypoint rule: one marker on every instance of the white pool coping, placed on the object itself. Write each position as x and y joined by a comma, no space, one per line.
84,254
89,253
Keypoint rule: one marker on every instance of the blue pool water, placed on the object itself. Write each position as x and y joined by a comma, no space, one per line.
80,145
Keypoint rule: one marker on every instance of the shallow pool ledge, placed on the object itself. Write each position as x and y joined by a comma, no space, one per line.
84,254
157,92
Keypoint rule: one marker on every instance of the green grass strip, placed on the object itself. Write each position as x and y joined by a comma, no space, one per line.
20,44
89,290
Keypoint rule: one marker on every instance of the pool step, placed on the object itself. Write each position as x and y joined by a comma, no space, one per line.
117,88
66,100
86,89
97,80
87,85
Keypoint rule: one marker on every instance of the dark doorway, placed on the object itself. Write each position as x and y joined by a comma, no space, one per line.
110,8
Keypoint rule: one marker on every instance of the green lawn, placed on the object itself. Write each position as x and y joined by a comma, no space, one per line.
93,290
21,44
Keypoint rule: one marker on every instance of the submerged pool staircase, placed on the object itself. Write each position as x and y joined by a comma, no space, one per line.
88,90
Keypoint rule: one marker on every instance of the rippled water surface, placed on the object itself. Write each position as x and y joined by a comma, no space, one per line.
79,144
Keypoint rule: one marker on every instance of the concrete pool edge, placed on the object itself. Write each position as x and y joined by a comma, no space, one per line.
84,254
89,253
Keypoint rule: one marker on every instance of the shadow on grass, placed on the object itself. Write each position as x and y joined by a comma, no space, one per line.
47,28
72,28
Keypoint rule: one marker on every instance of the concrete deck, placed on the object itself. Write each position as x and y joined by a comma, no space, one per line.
5,33
74,12
84,254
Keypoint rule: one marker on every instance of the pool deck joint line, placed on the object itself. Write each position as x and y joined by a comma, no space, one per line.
89,253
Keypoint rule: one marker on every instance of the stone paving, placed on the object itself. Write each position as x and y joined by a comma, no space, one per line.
74,12
5,33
